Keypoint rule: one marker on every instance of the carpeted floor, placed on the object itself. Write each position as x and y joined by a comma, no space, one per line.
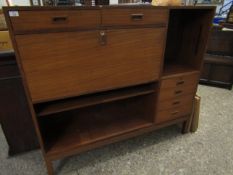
209,151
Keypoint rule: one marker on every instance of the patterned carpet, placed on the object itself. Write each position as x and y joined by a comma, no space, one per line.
209,151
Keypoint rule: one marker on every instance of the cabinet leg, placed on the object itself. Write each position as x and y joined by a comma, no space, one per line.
49,165
185,127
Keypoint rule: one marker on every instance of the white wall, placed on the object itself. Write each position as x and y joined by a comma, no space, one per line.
2,3
113,1
227,7
15,2
20,2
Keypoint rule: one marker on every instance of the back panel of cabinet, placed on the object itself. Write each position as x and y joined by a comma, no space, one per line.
60,65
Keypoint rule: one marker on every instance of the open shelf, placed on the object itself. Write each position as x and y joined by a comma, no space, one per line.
69,131
174,69
91,134
186,40
53,107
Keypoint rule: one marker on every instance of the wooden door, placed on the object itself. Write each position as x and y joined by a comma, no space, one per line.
60,65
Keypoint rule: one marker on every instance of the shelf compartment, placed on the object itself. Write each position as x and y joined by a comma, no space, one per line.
44,109
173,69
186,40
70,131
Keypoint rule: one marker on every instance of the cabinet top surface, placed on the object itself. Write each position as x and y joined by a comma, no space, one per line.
107,7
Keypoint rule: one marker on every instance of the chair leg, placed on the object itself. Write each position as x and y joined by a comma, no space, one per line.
49,165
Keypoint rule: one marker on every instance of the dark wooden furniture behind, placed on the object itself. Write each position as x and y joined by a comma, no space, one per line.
220,42
218,62
97,75
217,71
230,15
15,117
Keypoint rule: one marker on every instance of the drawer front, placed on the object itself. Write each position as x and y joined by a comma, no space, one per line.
175,102
59,19
180,81
112,17
59,65
172,93
173,113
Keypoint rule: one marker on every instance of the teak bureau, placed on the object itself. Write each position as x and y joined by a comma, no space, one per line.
97,75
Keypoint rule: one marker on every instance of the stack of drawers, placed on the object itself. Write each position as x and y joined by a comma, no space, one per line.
176,96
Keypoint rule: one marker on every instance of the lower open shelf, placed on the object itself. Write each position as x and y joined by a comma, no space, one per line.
72,130
89,134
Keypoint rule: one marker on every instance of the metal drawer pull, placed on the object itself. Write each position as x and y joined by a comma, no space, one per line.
137,17
60,19
178,92
180,82
176,102
175,112
103,38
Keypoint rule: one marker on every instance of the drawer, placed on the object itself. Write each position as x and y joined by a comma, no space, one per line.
58,19
173,113
171,93
180,81
176,102
112,17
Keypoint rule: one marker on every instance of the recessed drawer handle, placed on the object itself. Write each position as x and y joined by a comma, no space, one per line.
60,19
180,82
137,17
176,102
175,112
178,92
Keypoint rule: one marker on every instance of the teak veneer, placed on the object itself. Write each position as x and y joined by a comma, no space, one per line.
98,75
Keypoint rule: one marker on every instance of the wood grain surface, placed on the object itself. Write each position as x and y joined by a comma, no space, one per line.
116,17
62,19
59,65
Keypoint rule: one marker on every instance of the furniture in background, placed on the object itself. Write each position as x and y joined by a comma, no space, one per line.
15,117
35,2
230,15
102,2
220,42
97,75
74,2
3,26
217,71
218,62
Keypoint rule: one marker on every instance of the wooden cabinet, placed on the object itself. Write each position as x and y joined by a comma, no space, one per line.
97,75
